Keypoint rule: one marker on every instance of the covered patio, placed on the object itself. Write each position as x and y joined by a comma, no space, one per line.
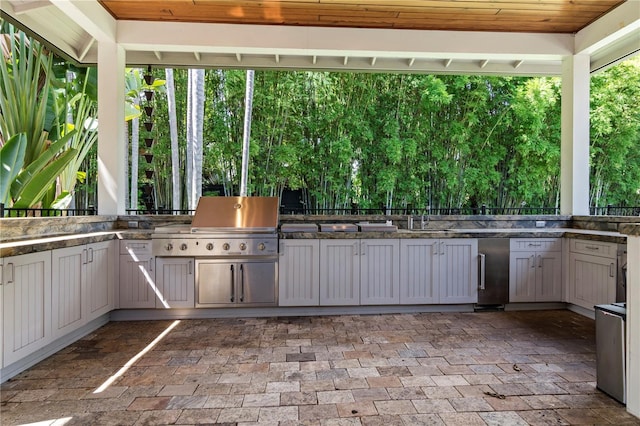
559,38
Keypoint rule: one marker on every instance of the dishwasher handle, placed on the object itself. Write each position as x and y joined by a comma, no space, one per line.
483,270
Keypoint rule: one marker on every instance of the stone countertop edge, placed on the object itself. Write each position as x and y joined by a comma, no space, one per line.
34,245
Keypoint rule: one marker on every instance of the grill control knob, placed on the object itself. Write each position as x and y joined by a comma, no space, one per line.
261,246
243,246
183,246
210,246
225,246
169,247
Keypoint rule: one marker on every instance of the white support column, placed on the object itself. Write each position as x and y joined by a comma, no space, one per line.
574,162
111,143
633,325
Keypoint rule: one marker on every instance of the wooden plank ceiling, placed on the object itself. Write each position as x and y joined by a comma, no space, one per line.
538,16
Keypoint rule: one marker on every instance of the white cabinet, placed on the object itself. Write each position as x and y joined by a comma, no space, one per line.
340,272
299,273
175,282
100,278
137,287
67,289
26,300
458,270
439,271
379,272
535,270
82,286
359,272
592,273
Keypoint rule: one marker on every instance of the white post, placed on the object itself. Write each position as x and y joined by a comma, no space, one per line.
248,106
111,143
574,162
633,324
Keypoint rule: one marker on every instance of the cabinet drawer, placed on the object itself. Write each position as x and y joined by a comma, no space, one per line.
536,244
137,247
595,248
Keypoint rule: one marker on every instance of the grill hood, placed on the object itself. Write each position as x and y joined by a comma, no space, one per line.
257,214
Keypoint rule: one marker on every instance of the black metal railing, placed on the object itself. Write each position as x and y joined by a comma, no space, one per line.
611,210
159,211
37,212
482,210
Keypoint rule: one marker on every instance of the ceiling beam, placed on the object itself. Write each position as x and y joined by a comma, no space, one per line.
351,42
91,17
619,23
22,8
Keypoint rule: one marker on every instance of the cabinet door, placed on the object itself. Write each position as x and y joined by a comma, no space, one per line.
67,289
549,277
379,272
216,283
522,277
256,282
458,270
419,261
176,282
100,278
26,301
592,280
340,276
299,273
137,282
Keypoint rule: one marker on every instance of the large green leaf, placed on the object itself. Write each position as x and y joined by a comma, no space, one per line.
33,192
33,169
11,159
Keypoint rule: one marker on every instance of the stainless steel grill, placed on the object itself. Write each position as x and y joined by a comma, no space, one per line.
235,246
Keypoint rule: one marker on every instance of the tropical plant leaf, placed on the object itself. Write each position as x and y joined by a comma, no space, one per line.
11,159
33,192
62,201
33,169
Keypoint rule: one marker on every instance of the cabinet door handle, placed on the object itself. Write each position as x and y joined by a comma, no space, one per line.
85,256
90,256
11,267
151,262
233,287
611,270
363,247
241,283
483,267
190,267
355,249
435,249
592,247
533,261
535,244
539,261
442,248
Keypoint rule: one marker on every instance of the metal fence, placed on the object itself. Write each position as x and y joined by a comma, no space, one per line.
34,212
609,210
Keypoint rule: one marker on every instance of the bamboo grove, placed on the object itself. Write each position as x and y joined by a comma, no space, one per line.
399,140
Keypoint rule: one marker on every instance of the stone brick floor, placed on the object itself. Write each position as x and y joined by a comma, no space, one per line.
490,368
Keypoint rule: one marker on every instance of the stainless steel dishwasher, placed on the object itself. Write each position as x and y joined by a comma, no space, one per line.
610,350
493,273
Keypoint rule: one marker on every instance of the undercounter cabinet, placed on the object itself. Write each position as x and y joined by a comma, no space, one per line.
137,275
592,273
299,272
535,270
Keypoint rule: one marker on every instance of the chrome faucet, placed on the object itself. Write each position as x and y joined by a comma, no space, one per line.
410,222
423,223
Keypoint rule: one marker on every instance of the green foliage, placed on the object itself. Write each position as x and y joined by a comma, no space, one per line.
11,160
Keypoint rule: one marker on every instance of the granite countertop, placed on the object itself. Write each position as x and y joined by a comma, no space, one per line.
33,245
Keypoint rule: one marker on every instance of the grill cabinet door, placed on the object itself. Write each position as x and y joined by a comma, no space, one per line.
256,282
216,283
